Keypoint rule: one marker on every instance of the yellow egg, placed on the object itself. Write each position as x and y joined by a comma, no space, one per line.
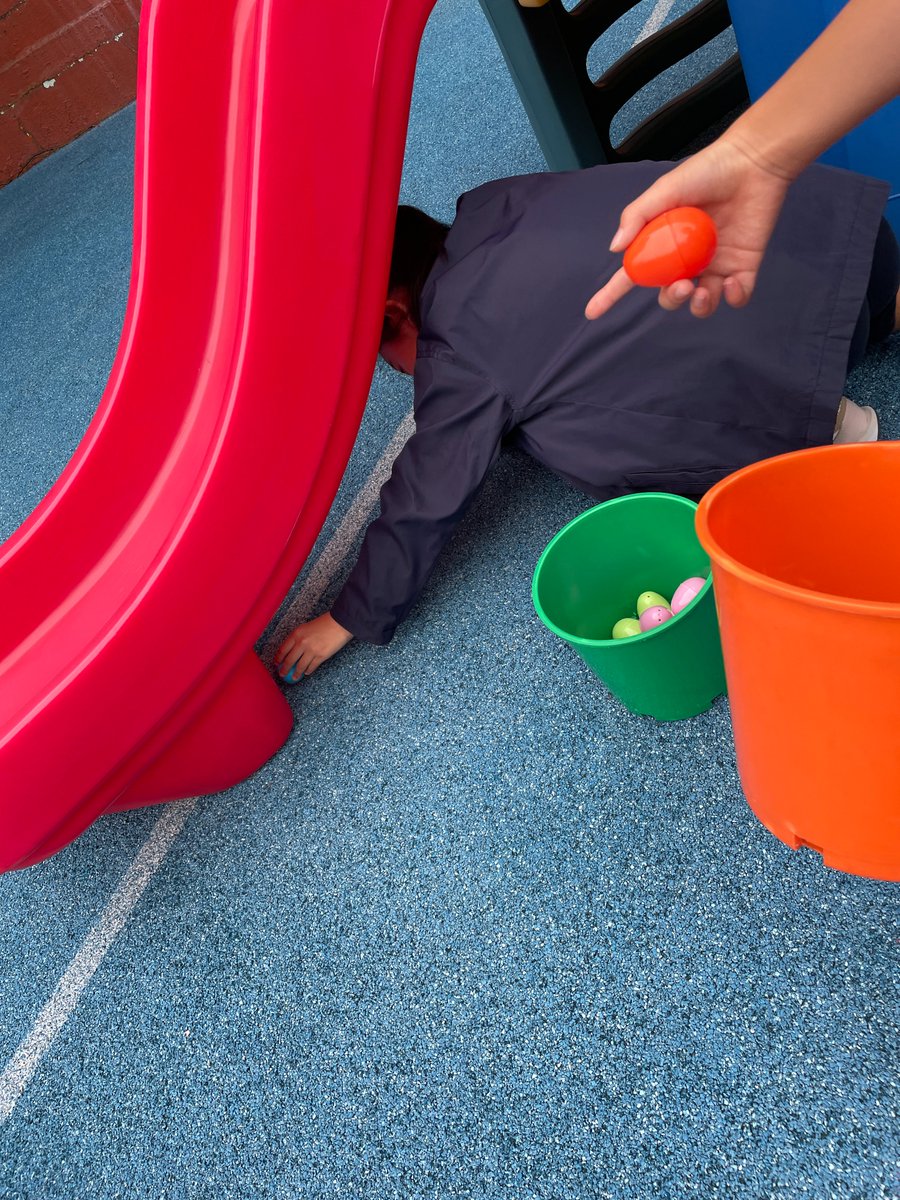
650,600
627,627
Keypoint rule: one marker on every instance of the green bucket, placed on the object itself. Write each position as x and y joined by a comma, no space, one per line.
591,574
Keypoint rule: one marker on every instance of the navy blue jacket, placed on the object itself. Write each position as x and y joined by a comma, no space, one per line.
640,399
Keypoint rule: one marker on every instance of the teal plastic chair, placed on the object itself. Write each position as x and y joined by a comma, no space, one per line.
546,48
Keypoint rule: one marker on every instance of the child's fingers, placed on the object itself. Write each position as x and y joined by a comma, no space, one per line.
284,650
309,660
611,293
287,657
299,664
288,671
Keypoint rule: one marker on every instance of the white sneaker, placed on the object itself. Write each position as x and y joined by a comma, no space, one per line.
859,424
871,434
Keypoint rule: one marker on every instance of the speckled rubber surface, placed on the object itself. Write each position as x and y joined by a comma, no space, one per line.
477,932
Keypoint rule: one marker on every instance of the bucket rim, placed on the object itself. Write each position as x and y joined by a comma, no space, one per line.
574,639
768,583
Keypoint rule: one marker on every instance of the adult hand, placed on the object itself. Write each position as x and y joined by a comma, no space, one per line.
743,195
311,644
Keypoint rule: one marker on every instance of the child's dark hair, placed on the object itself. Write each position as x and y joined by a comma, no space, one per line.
418,240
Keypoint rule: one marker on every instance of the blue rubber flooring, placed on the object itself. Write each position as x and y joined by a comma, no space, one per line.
477,932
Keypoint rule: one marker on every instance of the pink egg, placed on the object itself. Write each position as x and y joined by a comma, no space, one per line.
685,592
651,617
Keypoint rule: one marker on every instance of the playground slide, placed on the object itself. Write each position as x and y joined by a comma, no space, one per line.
269,147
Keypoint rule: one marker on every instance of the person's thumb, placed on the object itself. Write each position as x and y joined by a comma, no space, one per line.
657,199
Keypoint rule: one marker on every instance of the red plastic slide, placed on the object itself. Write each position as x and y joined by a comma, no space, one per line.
270,138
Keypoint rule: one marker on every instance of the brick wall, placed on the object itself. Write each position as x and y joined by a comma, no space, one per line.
65,65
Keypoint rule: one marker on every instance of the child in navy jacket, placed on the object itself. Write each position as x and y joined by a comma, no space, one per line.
488,316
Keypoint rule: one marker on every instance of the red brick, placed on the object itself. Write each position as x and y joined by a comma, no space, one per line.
31,20
82,96
42,37
130,37
17,149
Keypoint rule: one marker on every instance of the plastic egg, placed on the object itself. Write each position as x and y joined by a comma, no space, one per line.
627,627
651,617
678,244
650,600
685,592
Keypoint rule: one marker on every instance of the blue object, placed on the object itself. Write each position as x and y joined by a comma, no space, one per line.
771,35
289,678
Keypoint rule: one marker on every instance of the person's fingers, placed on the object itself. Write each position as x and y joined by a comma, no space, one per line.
625,234
706,297
713,285
305,662
676,294
301,661
736,293
700,302
287,670
308,647
291,653
611,293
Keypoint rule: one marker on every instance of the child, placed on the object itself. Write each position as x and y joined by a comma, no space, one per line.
488,316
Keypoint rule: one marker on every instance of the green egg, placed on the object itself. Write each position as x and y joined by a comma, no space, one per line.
650,600
627,627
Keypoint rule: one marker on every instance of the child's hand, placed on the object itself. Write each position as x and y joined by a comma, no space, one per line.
311,644
741,193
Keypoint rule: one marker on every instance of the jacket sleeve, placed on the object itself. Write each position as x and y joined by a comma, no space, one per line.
460,418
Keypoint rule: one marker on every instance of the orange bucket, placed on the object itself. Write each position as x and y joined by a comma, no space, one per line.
805,553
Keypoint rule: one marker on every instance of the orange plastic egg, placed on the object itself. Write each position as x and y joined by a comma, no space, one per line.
678,244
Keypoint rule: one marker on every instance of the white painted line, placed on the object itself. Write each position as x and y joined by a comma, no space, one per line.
656,20
25,1061
31,1050
339,546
